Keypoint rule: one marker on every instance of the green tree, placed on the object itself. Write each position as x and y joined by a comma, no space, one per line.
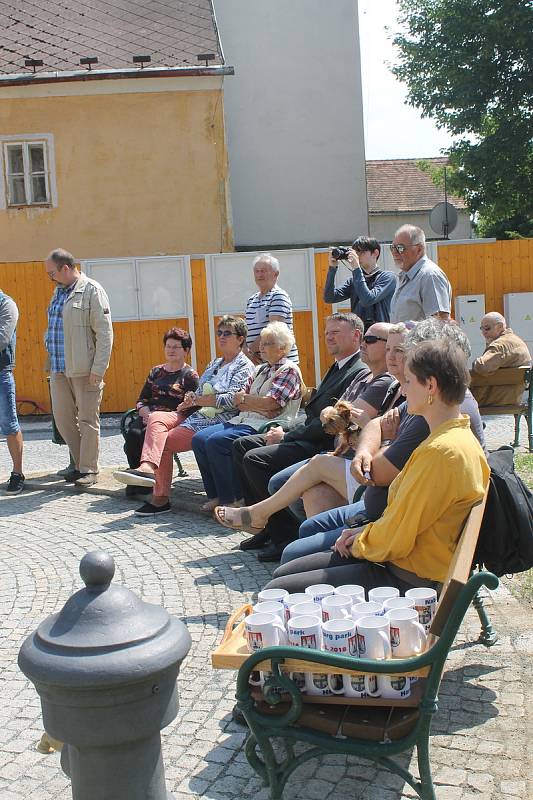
468,64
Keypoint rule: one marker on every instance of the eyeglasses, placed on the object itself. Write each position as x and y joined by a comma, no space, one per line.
400,248
369,339
225,334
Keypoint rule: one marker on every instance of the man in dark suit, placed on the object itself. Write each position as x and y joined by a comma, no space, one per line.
259,457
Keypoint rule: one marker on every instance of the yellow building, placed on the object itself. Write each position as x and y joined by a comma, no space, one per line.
112,145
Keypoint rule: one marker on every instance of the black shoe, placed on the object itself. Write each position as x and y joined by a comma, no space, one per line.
149,510
255,542
272,552
72,476
15,483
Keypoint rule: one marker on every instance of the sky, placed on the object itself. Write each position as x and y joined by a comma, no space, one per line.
392,128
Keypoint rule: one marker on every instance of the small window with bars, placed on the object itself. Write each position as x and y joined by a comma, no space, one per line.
26,171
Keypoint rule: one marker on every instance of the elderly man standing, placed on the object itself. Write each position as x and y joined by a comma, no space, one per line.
9,424
79,340
423,288
270,303
504,350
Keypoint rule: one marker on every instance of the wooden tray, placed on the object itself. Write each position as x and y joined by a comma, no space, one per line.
232,652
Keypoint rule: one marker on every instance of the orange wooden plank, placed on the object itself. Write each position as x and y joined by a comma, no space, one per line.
323,309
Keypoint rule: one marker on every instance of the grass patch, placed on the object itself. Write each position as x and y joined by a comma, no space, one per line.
521,585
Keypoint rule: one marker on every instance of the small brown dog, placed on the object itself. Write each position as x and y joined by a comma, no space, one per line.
337,421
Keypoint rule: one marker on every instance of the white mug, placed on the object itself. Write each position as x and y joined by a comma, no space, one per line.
397,602
382,593
373,641
318,591
394,686
305,632
361,685
277,595
373,637
407,635
292,599
263,630
305,610
366,609
335,606
270,607
425,603
320,683
339,637
353,590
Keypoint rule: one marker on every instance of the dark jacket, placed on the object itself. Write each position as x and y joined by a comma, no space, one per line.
370,295
311,435
8,325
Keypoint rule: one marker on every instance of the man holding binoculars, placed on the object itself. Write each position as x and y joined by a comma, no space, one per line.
369,288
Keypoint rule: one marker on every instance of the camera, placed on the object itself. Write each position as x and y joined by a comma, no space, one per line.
340,253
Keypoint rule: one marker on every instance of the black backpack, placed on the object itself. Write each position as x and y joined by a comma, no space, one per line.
505,543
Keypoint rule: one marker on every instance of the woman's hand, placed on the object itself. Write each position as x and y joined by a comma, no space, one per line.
389,424
190,399
361,468
343,545
144,413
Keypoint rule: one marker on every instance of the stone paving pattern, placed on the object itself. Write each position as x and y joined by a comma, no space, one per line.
482,742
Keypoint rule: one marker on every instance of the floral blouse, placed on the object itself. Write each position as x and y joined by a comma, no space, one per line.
164,390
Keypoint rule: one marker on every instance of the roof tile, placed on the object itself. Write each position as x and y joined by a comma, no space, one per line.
400,185
173,32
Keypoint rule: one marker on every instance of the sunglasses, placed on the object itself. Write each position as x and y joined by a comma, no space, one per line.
225,334
400,248
369,339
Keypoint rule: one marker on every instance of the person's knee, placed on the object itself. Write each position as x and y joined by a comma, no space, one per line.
275,483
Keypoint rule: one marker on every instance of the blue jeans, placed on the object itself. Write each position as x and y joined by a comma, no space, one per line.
9,424
317,534
280,479
212,449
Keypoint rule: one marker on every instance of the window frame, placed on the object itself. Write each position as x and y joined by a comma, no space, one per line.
26,141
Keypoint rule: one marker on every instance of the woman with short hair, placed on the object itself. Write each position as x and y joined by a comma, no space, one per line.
275,391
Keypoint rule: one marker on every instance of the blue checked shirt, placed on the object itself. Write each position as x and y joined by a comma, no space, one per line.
55,337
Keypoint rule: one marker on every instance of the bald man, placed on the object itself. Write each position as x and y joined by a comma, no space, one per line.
504,350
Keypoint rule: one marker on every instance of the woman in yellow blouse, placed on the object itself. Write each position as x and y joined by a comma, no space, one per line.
413,542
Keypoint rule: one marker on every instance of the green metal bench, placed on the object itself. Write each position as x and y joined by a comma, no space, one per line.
376,730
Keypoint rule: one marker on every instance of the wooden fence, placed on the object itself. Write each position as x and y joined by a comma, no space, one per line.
492,269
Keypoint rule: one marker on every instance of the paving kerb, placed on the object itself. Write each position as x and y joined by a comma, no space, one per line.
481,746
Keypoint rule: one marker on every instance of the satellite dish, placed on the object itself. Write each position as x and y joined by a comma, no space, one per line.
443,219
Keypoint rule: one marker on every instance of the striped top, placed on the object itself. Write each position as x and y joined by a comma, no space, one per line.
261,307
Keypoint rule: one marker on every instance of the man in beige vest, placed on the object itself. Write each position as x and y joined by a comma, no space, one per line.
504,350
78,340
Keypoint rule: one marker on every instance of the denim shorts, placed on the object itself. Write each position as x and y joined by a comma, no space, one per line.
9,423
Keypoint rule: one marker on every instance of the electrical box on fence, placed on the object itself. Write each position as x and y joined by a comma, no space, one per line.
469,311
518,311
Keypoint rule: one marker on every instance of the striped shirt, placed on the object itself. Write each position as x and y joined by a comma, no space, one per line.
261,307
55,337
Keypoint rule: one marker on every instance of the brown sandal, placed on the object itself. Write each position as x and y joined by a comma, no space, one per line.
244,525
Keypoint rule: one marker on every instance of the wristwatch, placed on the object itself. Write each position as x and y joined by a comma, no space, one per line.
386,441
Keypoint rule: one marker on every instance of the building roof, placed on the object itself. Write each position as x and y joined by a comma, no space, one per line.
399,185
60,32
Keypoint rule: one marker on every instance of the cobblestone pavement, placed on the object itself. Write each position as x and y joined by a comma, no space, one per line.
481,747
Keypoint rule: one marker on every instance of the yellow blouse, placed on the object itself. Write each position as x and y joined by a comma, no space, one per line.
428,503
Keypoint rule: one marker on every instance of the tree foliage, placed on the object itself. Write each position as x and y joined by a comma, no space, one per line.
468,64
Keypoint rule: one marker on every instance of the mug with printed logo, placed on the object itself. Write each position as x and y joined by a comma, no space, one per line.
373,641
305,632
263,630
425,603
306,609
339,637
318,591
270,607
291,600
394,687
382,593
335,606
407,635
398,602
